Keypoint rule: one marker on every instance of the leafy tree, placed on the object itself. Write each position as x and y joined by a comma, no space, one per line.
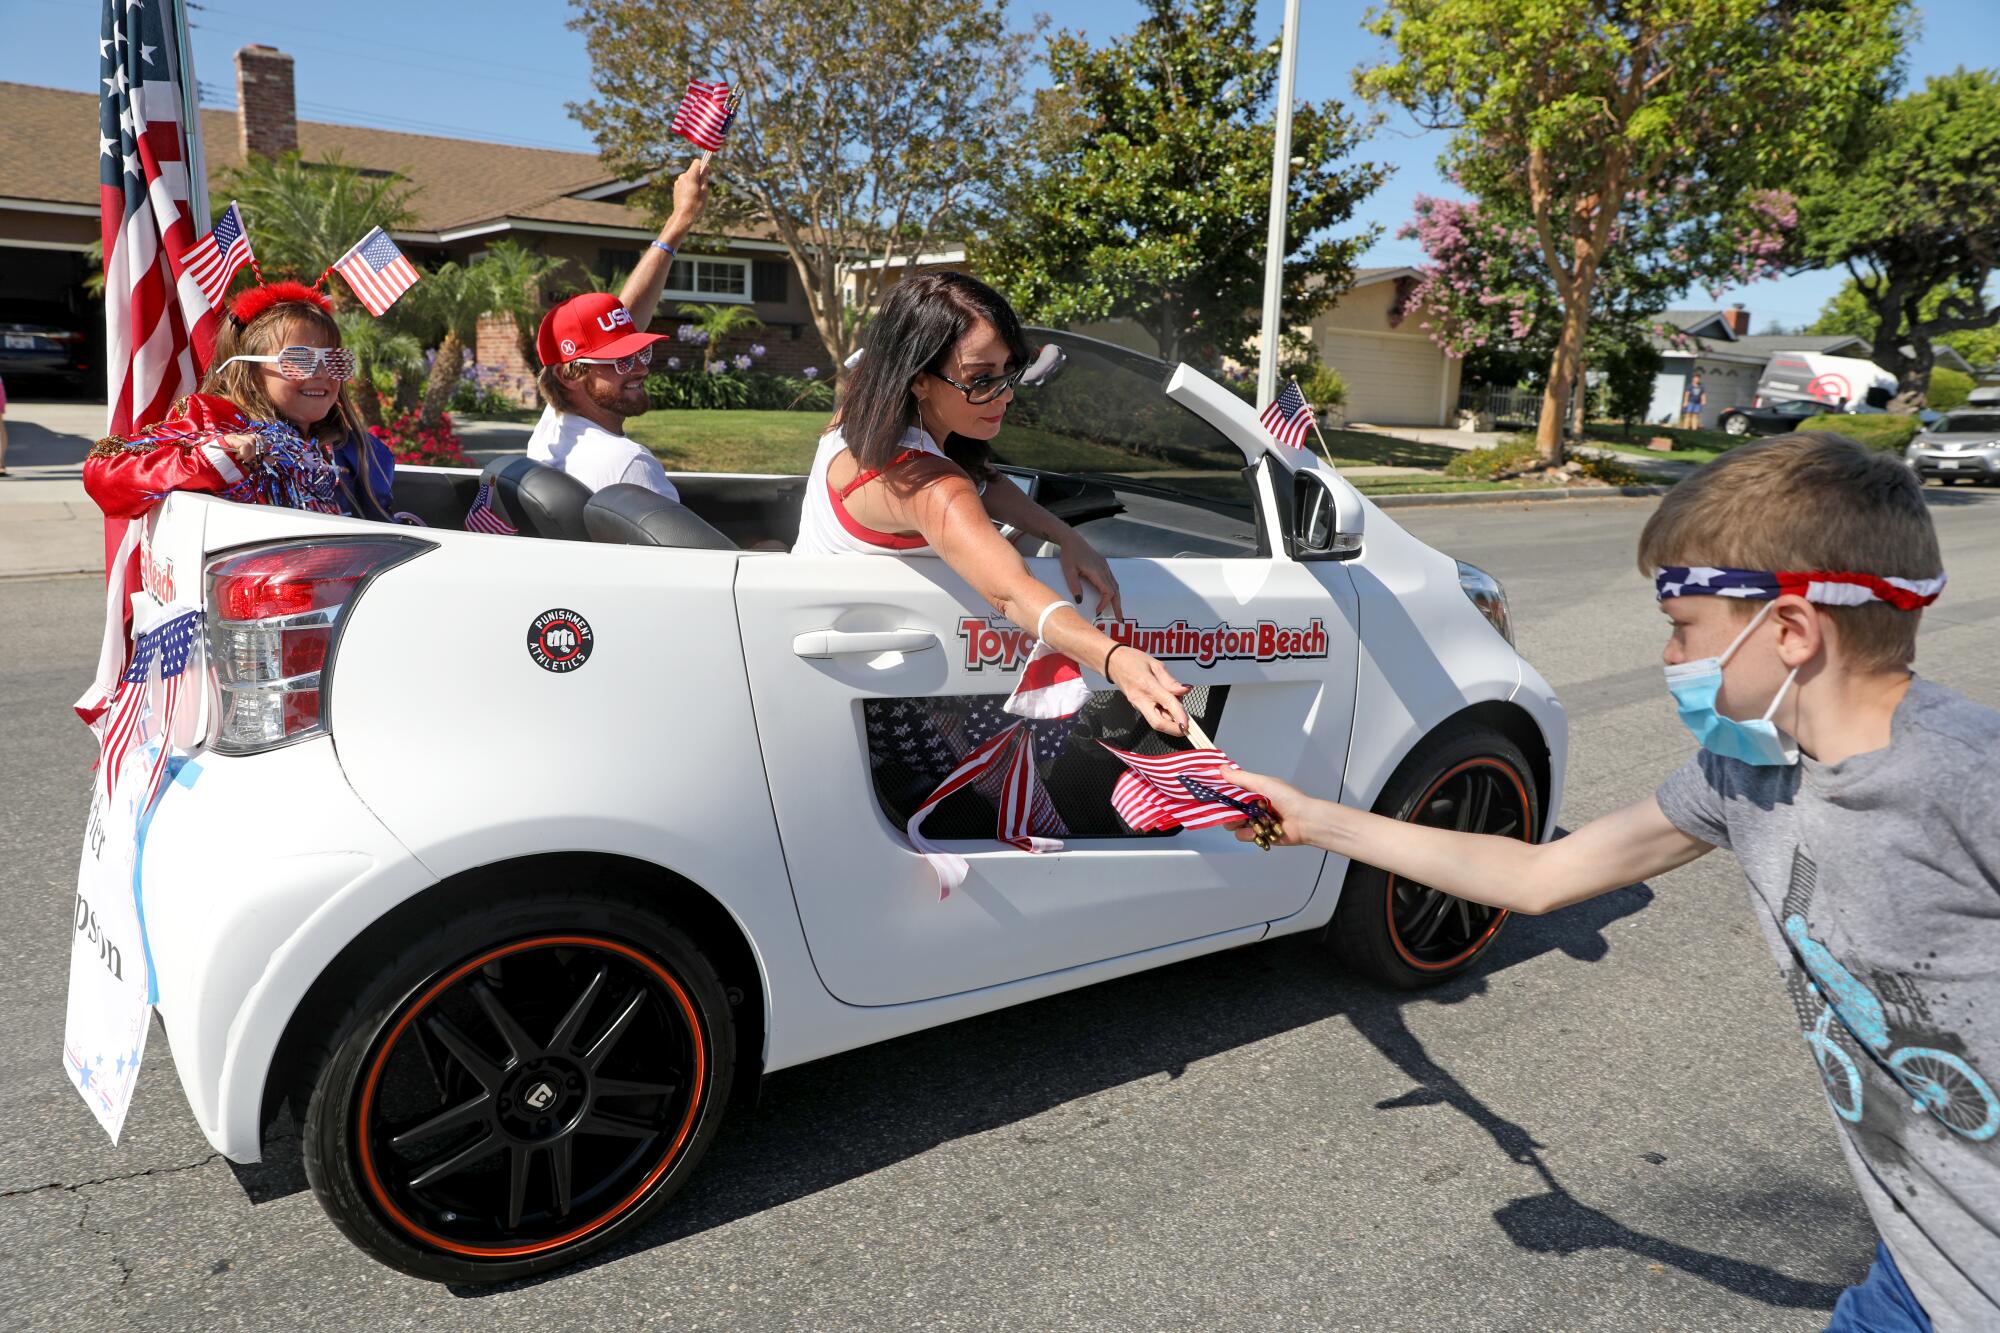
1564,112
869,129
1916,222
1847,312
1630,371
1150,192
1949,388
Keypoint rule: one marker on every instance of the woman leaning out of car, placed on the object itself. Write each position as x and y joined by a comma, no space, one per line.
943,356
278,359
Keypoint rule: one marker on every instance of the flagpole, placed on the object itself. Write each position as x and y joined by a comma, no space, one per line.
1317,433
197,159
1274,246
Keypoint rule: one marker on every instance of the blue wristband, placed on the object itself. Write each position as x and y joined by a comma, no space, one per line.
662,245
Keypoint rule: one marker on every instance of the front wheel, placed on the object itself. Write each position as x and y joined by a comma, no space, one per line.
1409,935
1736,425
521,1085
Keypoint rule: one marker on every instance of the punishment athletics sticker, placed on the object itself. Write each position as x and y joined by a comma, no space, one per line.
559,640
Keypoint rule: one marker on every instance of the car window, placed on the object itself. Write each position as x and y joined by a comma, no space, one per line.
1104,419
1964,423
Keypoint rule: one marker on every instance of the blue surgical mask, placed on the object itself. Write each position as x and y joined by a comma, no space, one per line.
1695,685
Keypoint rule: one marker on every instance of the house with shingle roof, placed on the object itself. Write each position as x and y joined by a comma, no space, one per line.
468,194
1731,359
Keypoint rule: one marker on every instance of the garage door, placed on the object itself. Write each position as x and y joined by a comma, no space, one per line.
1390,381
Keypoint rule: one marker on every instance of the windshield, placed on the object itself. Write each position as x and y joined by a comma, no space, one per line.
1970,423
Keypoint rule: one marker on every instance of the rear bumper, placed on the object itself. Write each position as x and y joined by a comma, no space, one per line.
233,883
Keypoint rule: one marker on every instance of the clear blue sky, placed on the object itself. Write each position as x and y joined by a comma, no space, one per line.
505,69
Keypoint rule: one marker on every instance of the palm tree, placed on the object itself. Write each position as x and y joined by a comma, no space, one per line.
386,361
302,216
719,321
450,299
519,276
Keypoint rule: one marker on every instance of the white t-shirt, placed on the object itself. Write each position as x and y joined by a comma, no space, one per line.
594,456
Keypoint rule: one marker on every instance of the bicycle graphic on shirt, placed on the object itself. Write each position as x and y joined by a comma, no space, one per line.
1937,1081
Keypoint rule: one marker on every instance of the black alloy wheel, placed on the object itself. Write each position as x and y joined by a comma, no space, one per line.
511,1108
1411,935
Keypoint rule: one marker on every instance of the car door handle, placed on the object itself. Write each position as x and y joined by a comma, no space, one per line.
838,643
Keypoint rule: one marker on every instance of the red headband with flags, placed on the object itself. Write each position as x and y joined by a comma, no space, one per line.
1827,587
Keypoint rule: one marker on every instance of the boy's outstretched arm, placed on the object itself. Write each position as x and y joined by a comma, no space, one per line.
1621,848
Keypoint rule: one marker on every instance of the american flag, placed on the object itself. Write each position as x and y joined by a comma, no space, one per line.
151,197
1183,789
483,517
704,114
1051,686
377,271
159,659
1002,767
1829,587
1289,417
215,257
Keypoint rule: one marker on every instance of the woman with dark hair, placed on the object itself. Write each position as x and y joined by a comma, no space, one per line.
944,354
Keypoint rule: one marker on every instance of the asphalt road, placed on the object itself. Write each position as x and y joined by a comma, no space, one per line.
1613,1126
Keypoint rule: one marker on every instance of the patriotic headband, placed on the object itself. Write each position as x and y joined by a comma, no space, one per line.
1816,585
254,301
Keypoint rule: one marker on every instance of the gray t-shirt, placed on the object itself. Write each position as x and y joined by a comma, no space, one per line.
1877,883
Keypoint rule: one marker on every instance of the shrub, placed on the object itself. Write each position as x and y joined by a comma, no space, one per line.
1949,388
1516,453
413,442
1607,470
476,396
791,393
732,388
1323,387
1888,432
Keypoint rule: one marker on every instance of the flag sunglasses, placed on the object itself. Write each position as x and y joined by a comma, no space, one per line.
304,363
620,364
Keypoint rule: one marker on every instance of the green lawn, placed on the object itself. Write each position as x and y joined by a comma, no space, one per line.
1360,448
1690,446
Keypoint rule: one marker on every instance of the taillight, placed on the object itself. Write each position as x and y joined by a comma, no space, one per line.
272,615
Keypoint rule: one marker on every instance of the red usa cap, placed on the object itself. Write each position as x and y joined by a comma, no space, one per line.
596,324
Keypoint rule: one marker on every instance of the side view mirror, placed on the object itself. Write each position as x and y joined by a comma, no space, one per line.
1048,364
1326,517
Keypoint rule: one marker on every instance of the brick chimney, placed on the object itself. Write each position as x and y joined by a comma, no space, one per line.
1738,320
267,118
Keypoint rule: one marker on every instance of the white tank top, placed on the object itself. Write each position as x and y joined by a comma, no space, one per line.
825,526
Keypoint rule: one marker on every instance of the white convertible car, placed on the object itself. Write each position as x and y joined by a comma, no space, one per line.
511,861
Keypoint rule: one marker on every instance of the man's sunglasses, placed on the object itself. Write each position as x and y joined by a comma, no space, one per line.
621,364
304,363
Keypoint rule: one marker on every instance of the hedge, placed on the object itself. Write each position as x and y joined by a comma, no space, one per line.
1889,432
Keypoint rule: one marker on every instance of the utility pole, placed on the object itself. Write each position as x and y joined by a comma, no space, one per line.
1281,181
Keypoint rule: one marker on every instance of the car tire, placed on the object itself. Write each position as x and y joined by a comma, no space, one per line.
1409,935
1737,426
524,1083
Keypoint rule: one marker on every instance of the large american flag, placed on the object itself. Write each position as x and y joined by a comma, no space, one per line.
1183,789
148,698
704,114
151,199
377,271
215,257
1289,416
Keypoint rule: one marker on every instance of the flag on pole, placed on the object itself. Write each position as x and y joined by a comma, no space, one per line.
483,517
704,114
1183,789
377,271
147,203
216,257
1289,416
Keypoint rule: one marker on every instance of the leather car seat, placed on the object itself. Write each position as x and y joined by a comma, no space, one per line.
538,500
634,516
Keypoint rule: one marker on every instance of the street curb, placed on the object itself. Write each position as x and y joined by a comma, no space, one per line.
1416,499
16,575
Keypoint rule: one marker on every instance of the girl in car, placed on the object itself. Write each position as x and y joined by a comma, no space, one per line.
278,359
944,354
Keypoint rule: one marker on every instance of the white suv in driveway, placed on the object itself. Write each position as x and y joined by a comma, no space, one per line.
510,860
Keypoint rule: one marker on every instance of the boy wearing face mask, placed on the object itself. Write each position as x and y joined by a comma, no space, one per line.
1860,801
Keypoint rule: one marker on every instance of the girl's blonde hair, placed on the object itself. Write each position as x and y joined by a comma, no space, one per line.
264,335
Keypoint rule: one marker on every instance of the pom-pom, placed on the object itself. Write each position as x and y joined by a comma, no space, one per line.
254,301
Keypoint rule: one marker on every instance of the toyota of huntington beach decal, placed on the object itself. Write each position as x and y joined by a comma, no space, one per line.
993,642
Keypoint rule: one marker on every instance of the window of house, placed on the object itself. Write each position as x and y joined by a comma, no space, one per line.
704,278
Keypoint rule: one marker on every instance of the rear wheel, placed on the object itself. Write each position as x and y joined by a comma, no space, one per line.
1736,425
520,1086
1409,935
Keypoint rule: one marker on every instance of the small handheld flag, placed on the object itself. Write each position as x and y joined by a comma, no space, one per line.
1289,417
704,114
377,271
483,517
213,260
1185,789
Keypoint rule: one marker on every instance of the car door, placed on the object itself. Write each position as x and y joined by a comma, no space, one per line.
844,650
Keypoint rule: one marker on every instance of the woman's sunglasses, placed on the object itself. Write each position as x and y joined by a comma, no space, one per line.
984,388
622,364
304,363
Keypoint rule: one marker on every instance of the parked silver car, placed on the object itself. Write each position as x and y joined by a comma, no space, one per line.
1966,443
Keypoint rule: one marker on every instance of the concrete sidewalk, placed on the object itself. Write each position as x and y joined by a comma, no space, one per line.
47,524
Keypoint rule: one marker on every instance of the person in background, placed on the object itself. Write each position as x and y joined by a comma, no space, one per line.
1692,399
595,354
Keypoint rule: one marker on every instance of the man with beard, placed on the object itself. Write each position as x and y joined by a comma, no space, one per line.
595,354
